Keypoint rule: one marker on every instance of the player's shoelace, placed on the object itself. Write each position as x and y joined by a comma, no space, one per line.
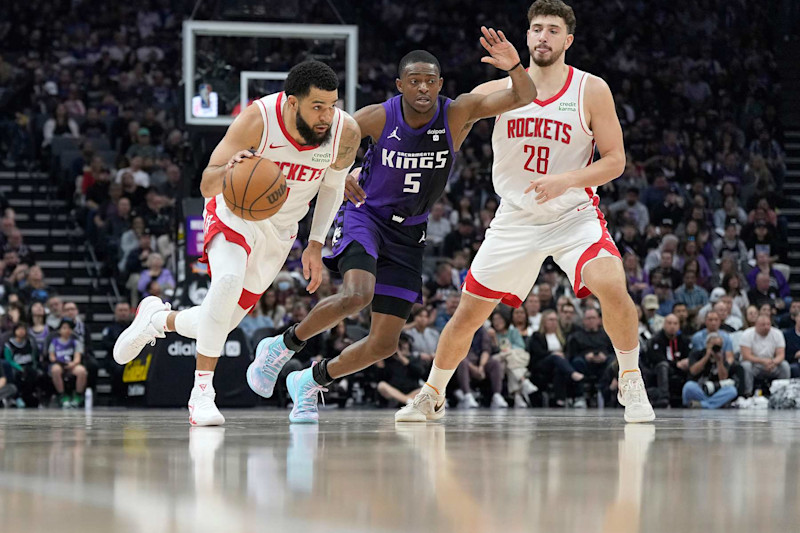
145,337
632,390
424,398
270,368
307,403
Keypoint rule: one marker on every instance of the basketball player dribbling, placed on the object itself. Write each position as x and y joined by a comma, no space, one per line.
379,239
544,174
314,143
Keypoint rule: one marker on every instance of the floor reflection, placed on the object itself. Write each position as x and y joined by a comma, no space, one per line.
357,471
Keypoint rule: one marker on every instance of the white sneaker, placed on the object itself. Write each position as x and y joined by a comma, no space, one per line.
202,409
520,402
466,401
580,403
528,388
141,331
459,394
423,407
633,396
498,402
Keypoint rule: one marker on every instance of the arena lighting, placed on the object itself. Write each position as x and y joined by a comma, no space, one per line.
194,28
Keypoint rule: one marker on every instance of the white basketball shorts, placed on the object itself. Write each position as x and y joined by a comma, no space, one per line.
508,262
267,247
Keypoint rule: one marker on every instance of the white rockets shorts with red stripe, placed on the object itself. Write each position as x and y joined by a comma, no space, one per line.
267,247
508,262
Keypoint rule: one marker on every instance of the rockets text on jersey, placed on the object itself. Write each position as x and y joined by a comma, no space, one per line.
544,137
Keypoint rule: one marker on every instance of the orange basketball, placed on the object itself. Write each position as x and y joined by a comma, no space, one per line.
254,189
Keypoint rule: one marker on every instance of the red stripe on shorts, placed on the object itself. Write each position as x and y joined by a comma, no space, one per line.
213,225
605,243
473,286
248,299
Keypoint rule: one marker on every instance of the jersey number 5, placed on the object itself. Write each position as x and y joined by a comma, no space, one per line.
542,155
412,185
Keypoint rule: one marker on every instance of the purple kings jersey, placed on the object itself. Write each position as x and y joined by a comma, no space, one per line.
65,350
406,170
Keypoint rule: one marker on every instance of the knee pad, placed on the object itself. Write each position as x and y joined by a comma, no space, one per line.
223,294
216,312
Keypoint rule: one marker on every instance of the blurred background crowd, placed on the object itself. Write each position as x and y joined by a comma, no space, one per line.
92,95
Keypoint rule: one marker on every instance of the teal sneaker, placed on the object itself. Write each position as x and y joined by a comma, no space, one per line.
262,374
304,391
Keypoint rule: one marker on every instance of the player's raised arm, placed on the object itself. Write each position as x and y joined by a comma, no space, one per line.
483,104
243,135
329,198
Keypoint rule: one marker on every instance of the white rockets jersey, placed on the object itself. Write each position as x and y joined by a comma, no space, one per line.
544,137
303,166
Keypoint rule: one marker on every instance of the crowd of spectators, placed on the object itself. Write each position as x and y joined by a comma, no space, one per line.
696,213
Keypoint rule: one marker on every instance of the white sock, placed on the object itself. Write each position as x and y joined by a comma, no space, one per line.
159,320
203,380
627,359
438,380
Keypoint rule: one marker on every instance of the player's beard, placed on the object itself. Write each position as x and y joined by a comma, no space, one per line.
554,56
308,133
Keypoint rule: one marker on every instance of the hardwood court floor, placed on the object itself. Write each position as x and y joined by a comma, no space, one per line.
530,471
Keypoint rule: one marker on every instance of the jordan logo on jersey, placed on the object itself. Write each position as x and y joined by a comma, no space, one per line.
393,135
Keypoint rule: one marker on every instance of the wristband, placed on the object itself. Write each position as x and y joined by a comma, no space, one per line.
519,64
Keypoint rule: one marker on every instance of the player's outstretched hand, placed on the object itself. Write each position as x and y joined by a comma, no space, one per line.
312,265
503,55
240,156
548,186
352,190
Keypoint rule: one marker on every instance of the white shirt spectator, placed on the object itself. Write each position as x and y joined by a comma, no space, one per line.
438,230
149,54
140,177
763,347
553,344
48,131
147,21
533,323
425,341
641,216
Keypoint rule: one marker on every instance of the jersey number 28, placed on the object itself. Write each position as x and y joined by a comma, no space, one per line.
542,155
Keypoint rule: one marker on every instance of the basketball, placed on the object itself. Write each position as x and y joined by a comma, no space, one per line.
254,189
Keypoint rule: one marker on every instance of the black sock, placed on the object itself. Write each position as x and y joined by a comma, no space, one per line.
320,373
291,341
